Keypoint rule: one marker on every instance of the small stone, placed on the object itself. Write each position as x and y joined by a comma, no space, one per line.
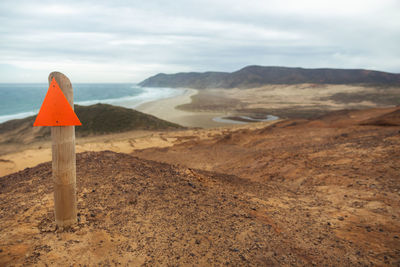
192,185
340,218
242,257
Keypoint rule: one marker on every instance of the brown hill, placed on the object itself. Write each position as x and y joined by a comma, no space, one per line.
138,212
390,119
96,120
344,178
256,76
299,192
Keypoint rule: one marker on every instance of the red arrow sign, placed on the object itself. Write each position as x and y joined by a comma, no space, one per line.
55,110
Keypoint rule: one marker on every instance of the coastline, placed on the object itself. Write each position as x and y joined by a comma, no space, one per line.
130,100
161,103
166,109
23,156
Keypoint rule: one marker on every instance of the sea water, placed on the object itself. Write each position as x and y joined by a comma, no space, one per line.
23,100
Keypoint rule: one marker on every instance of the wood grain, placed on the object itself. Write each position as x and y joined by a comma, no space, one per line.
64,162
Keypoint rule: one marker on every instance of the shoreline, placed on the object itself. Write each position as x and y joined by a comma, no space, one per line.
147,94
166,109
163,104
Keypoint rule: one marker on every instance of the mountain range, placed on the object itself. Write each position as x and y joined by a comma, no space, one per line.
255,76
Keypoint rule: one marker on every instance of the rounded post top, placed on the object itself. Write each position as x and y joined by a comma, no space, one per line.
58,76
65,85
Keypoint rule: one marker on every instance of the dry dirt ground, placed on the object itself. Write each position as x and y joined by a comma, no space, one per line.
18,156
324,192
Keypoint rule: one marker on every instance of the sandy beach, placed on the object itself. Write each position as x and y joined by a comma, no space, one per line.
166,109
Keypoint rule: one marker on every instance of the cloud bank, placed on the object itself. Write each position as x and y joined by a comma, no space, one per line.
127,41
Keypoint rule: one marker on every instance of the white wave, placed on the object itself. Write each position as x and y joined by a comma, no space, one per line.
21,115
149,94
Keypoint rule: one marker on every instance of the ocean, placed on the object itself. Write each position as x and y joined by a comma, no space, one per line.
23,100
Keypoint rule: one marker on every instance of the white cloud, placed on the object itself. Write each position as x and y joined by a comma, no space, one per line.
129,40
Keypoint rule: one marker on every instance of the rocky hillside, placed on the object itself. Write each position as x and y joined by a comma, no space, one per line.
321,192
255,76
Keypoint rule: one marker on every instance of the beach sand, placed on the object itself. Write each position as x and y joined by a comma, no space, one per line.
166,109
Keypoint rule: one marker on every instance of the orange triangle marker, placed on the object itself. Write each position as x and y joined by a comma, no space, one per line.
55,110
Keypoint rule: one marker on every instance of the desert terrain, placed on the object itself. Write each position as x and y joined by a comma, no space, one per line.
294,100
320,190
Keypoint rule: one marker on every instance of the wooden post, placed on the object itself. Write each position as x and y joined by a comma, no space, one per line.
64,162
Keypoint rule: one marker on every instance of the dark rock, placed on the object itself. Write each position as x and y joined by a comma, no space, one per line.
192,185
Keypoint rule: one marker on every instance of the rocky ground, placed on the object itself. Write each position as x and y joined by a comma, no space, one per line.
324,192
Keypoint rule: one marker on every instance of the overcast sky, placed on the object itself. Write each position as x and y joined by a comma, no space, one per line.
127,41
